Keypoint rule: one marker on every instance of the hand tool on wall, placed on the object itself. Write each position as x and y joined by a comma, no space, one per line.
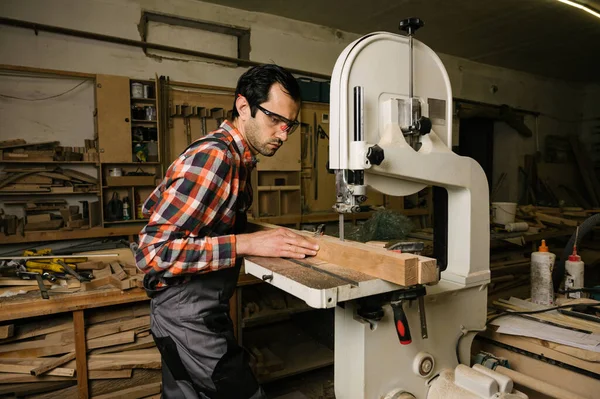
218,114
203,114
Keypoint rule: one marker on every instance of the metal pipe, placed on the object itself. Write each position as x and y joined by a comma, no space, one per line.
141,44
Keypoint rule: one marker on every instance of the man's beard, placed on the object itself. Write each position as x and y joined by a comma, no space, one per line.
253,136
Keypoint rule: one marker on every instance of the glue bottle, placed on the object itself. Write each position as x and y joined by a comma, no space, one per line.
542,264
574,268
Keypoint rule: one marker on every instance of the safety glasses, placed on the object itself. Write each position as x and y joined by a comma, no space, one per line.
286,125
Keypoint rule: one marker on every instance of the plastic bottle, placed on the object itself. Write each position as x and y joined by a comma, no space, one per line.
126,214
574,269
542,263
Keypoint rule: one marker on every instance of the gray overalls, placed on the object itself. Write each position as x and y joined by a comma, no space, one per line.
192,329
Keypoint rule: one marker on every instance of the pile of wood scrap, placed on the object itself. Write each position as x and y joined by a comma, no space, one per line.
48,151
115,274
510,277
541,216
120,349
45,179
50,214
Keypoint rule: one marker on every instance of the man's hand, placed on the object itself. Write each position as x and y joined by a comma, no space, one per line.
276,243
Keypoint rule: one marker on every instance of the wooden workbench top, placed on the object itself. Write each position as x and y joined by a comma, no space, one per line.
30,304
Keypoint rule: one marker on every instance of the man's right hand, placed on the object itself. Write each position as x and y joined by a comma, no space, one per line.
276,243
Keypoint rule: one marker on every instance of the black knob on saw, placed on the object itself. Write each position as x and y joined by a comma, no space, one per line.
375,155
424,125
411,25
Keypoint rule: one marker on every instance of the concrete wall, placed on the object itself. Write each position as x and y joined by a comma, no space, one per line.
273,39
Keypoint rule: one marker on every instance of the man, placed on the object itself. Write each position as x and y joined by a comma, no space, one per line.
192,247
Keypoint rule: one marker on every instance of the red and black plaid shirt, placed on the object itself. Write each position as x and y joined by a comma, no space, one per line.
192,211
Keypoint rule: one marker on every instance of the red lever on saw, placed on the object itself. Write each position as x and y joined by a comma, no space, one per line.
401,323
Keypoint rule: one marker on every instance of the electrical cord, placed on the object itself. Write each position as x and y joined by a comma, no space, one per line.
464,332
44,98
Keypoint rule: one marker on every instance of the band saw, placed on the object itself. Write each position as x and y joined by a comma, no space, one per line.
391,130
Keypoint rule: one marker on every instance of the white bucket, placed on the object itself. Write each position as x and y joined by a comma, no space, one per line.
504,212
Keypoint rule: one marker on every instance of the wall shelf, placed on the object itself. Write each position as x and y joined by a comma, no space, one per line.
127,221
50,162
143,100
2,194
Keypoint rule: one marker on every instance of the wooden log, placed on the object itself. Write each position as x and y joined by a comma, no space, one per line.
398,268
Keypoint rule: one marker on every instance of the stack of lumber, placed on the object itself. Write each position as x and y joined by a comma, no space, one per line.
543,216
510,277
120,349
48,179
48,151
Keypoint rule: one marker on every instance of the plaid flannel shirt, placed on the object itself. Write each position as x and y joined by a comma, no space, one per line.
192,211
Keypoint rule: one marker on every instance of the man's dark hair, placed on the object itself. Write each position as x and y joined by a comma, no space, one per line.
256,82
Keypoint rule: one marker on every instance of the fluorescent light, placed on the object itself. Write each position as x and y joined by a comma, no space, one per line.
581,7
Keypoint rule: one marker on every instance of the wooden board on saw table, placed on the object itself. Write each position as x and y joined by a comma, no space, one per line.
399,268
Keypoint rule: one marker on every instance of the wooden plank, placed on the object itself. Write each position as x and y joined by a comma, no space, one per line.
104,272
102,330
118,270
556,220
91,266
109,374
38,328
125,337
133,311
13,378
37,349
140,343
7,281
53,363
399,268
7,331
24,389
17,369
41,143
81,354
58,72
80,176
133,393
70,235
101,282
